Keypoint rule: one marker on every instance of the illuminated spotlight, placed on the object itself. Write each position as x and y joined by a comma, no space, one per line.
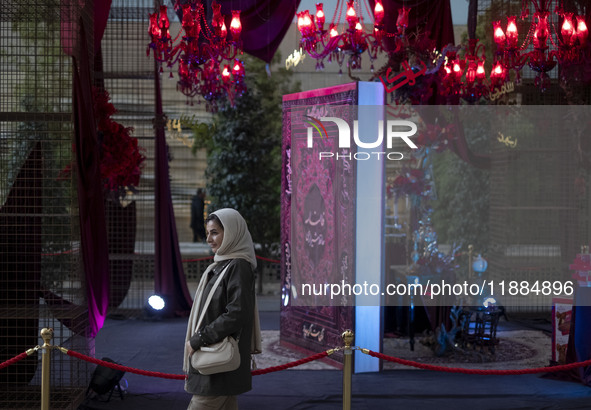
155,307
488,302
156,302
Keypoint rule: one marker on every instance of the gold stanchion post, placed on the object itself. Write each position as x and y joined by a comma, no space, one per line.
348,338
46,335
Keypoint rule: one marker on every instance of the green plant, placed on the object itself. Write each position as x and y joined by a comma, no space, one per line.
243,146
461,210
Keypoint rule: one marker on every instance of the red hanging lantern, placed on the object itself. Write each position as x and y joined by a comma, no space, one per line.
226,74
582,31
235,25
223,31
497,75
320,17
333,31
511,32
217,20
471,74
541,31
351,15
568,30
402,20
499,34
378,13
480,71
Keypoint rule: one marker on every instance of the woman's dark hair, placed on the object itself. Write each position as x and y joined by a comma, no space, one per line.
214,217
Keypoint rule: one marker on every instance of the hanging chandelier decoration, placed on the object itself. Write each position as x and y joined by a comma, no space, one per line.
459,71
207,57
351,43
544,46
465,77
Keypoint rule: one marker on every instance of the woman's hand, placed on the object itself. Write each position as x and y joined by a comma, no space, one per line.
191,350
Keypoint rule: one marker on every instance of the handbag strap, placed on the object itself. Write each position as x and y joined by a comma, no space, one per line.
209,297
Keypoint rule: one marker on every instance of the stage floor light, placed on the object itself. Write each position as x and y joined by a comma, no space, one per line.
156,302
155,307
105,380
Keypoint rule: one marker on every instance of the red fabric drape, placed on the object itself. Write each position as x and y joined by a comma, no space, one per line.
93,236
69,22
169,278
90,196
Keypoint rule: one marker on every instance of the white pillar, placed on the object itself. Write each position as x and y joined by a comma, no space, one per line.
369,236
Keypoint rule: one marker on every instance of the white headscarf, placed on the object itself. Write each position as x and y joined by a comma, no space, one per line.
237,243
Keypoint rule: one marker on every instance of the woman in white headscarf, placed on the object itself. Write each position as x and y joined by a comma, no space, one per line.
231,312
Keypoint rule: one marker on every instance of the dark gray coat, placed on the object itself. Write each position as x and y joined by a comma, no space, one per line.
229,313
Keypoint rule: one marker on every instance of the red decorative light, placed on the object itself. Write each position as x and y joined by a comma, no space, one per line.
238,69
163,22
497,75
333,32
320,17
541,32
470,87
480,71
217,21
549,47
457,69
351,15
582,31
402,20
236,25
226,73
471,74
201,51
351,43
378,12
511,32
568,29
499,34
223,31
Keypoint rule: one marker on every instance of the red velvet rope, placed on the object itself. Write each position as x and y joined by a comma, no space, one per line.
479,371
267,259
13,360
125,368
321,355
182,376
290,364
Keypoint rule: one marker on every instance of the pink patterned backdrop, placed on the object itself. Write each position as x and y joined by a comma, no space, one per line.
318,220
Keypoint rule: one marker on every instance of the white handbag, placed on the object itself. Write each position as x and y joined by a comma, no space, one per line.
219,357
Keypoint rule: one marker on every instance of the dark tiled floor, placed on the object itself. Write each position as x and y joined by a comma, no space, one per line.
158,346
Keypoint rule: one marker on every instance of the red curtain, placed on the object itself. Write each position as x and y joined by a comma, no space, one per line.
169,278
95,257
93,232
